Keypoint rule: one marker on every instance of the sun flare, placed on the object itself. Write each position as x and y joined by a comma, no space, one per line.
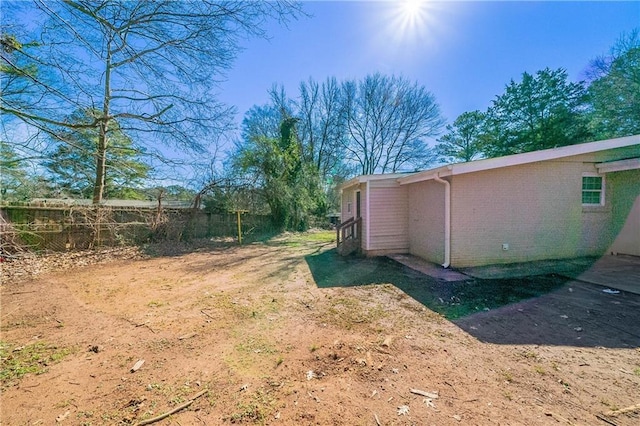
410,18
411,8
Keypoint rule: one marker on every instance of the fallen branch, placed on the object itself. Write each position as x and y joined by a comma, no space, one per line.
604,419
207,314
175,410
630,409
558,417
431,395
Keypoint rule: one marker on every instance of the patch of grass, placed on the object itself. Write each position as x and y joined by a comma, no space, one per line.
612,406
226,302
300,239
156,346
507,376
256,345
637,371
155,304
540,370
256,410
177,400
323,236
347,312
252,413
314,348
29,359
451,299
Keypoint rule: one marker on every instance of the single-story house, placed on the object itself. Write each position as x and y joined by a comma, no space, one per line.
560,203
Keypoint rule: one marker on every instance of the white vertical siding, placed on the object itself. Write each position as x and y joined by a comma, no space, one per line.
388,216
426,220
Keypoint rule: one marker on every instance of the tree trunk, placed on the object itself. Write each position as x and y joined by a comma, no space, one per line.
101,152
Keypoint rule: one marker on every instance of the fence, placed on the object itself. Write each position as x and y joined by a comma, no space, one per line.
80,227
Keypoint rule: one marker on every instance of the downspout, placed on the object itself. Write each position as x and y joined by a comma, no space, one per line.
367,215
447,220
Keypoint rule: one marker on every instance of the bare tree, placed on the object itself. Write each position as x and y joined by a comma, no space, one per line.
388,122
322,125
152,66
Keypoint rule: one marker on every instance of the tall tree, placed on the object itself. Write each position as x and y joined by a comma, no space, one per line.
16,183
388,122
614,92
541,111
72,163
150,66
463,140
287,181
322,126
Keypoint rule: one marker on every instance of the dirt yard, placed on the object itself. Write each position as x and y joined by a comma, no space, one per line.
283,332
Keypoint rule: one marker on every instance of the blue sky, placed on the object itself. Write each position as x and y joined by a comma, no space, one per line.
463,52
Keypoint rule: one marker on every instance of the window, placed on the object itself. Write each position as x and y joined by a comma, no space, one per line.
593,190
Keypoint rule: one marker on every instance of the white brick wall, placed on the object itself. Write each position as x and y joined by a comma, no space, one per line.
535,208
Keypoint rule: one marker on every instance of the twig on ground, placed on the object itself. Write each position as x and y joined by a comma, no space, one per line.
558,417
375,416
207,314
629,409
431,395
175,410
604,419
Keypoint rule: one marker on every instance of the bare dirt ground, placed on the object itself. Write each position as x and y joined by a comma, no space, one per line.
273,336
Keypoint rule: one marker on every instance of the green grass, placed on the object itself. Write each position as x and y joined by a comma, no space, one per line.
451,299
301,239
29,359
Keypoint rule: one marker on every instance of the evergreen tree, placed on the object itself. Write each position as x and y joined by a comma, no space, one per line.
541,111
72,162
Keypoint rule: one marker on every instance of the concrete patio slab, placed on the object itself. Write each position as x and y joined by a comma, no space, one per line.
621,272
565,267
428,268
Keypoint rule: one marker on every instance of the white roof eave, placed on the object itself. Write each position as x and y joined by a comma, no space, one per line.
519,159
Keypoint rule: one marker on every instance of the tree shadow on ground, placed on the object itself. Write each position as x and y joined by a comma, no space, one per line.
544,309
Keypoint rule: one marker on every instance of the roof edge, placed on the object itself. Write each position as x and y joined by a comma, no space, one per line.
519,159
368,178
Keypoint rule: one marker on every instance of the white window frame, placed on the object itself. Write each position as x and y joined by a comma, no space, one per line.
602,190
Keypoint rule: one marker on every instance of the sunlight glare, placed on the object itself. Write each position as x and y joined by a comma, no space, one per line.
411,8
410,19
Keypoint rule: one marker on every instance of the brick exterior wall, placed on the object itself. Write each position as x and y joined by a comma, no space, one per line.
534,208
